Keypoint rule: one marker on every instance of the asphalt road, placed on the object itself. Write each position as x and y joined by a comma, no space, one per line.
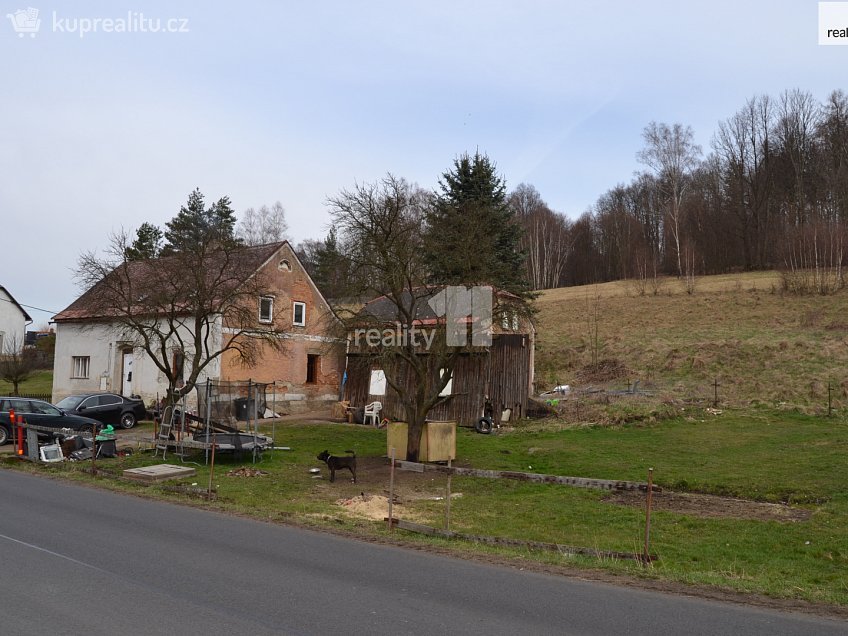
75,560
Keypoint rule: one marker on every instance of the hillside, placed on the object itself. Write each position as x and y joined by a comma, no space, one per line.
763,346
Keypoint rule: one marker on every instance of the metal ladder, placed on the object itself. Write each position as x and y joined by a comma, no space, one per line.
163,436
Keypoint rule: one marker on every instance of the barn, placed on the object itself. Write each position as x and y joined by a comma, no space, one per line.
503,371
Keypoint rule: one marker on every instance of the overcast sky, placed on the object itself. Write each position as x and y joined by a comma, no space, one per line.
294,101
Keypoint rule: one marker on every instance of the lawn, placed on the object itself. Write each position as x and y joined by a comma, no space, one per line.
39,383
762,505
761,456
764,347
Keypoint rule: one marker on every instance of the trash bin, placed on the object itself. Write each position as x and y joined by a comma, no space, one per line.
248,409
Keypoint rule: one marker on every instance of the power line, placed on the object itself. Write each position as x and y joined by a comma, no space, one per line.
46,311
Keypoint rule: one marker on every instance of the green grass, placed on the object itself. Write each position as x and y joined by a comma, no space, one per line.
41,382
760,455
765,347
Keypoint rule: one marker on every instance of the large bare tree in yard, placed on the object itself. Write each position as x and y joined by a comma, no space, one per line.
17,363
671,152
380,227
175,307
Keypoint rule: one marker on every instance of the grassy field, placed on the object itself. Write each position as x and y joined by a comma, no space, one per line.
762,456
763,347
40,383
754,498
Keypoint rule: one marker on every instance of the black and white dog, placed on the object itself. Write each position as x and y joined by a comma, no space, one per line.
335,463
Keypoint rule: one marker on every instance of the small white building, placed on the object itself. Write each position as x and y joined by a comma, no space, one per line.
13,322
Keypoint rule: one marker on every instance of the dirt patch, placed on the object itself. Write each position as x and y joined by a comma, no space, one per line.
368,506
712,506
605,371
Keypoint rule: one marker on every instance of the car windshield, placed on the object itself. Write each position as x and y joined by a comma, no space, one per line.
71,402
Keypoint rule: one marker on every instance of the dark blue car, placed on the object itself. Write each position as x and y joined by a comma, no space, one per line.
40,413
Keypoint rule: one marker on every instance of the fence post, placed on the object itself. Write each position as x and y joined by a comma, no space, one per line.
647,554
715,393
391,490
448,498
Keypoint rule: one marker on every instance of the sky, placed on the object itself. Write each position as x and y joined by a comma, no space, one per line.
102,129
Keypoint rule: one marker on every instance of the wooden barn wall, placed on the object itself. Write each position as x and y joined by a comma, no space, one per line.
503,373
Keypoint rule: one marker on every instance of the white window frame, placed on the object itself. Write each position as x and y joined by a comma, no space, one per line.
302,322
448,390
270,317
377,382
80,367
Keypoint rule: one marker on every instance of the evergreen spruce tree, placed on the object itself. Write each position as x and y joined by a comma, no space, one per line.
198,227
147,243
330,266
472,236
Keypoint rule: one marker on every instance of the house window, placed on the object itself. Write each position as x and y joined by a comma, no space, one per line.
284,266
266,309
313,362
448,387
377,386
79,366
299,314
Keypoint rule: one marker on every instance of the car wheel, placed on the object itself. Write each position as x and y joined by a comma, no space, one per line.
127,420
4,435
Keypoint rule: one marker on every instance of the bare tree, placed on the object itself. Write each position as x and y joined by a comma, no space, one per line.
798,119
16,363
266,225
671,152
380,228
184,310
546,239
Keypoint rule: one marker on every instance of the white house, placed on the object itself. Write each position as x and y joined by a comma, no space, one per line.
13,321
94,354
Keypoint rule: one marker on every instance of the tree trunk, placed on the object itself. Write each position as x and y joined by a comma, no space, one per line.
413,440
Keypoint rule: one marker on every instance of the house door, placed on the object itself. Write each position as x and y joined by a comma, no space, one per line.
127,374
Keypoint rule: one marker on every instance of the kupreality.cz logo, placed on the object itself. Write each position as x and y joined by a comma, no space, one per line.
25,22
29,21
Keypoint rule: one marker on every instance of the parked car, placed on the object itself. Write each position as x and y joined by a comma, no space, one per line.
109,408
40,413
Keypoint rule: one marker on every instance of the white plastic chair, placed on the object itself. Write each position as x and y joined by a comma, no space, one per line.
372,413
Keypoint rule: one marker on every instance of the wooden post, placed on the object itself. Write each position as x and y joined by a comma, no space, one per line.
391,490
647,554
211,469
448,499
715,393
93,449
